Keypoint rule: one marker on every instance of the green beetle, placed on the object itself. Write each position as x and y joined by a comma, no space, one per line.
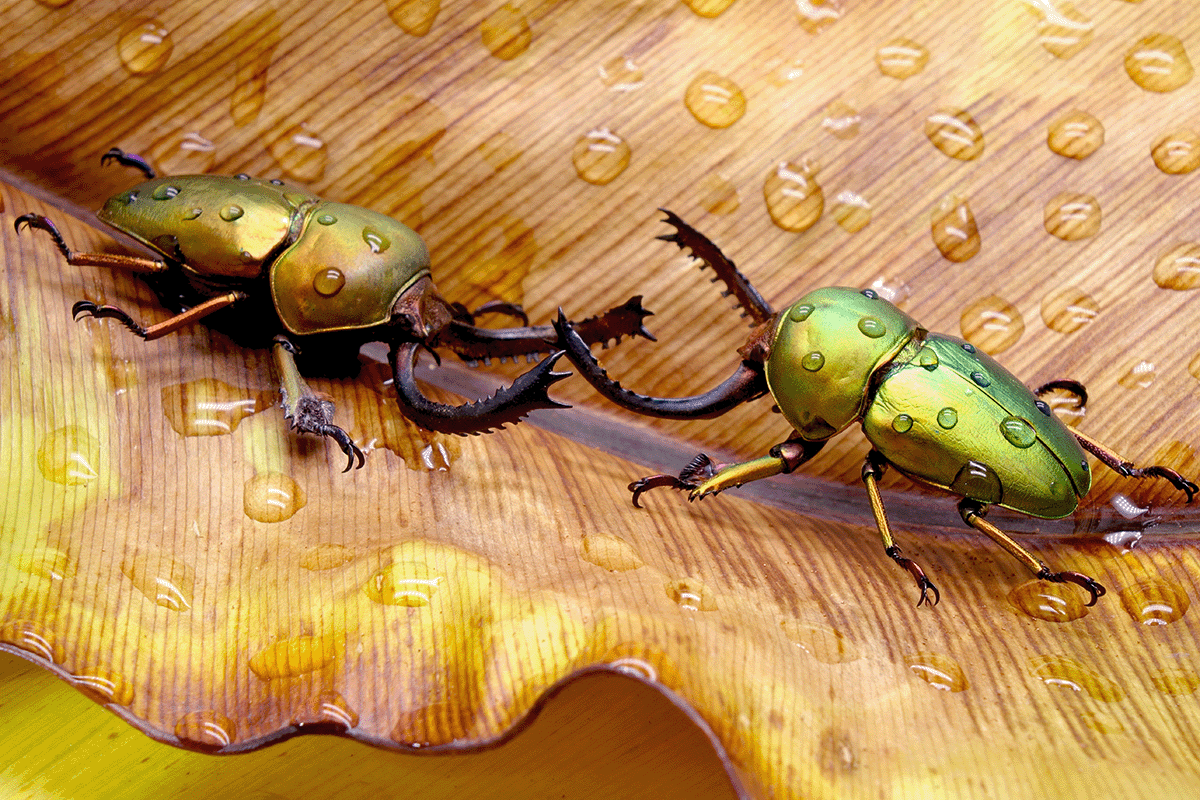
270,263
933,406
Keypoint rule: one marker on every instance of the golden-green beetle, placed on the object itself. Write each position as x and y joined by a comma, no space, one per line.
274,264
933,406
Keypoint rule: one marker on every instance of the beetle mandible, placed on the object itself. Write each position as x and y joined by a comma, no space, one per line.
932,406
317,278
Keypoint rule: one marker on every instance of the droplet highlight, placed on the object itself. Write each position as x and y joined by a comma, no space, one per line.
1067,674
1076,134
1178,152
824,643
163,580
600,156
714,100
1140,374
104,685
272,497
816,14
851,211
209,407
953,228
992,324
1068,309
1158,63
621,74
403,584
1064,30
329,281
32,637
794,199
207,730
1071,216
144,46
901,58
813,361
375,240
955,133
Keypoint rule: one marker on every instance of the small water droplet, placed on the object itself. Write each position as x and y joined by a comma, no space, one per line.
45,562
165,191
414,17
207,730
297,655
824,643
610,552
901,58
1071,216
193,213
144,45
621,74
1018,432
1076,134
1068,674
851,210
405,583
183,152
272,497
32,637
329,281
947,418
299,152
326,219
1155,602
871,327
940,672
1158,63
1175,680
800,312
104,684
902,423
165,581
955,133
1068,309
992,324
714,100
794,199
842,120
708,8
329,707
1179,267
231,212
953,228
1139,375
813,361
1052,602
326,556
1063,30
68,455
928,358
718,195
691,595
1178,152
600,156
816,14
375,240
506,32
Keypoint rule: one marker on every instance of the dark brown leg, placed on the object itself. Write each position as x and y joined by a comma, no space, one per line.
86,308
1126,468
116,261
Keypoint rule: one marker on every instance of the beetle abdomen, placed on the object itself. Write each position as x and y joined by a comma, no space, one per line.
825,349
954,418
215,226
346,269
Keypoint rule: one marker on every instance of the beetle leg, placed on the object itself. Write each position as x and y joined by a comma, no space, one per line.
501,307
128,160
972,512
114,260
304,408
747,297
507,406
86,308
873,468
702,477
747,383
1126,468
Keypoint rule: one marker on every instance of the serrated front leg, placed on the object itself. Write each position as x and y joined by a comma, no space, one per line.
308,411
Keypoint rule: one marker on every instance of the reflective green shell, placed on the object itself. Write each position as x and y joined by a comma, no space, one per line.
331,266
949,415
826,348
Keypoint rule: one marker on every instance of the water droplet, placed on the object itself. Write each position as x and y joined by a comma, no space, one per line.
940,672
600,156
718,195
1178,152
329,707
851,210
1076,134
183,152
1068,309
1175,680
164,580
253,39
955,133
165,192
231,212
992,324
104,685
326,219
813,361
67,455
824,643
193,213
144,46
977,481
54,3
506,32
297,655
842,120
800,312
901,58
714,100
1155,602
1052,602
406,583
981,379
947,418
902,423
691,595
375,240
272,497
1179,267
794,198
1018,432
1139,375
329,281
1064,30
414,17
610,552
708,8
928,358
207,730
500,150
45,562
621,74
1158,63
816,14
326,556
209,407
953,227
300,153
1068,674
32,637
871,327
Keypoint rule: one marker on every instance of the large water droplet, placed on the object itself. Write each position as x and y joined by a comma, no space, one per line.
1068,309
209,407
1018,432
1158,63
1071,216
104,684
841,120
794,199
1076,134
955,133
414,16
714,100
953,227
68,455
506,32
1052,602
299,152
1178,152
600,156
272,497
32,637
1064,30
406,583
610,552
1140,374
1068,674
940,672
1179,267
977,481
992,324
144,46
901,58
1155,602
